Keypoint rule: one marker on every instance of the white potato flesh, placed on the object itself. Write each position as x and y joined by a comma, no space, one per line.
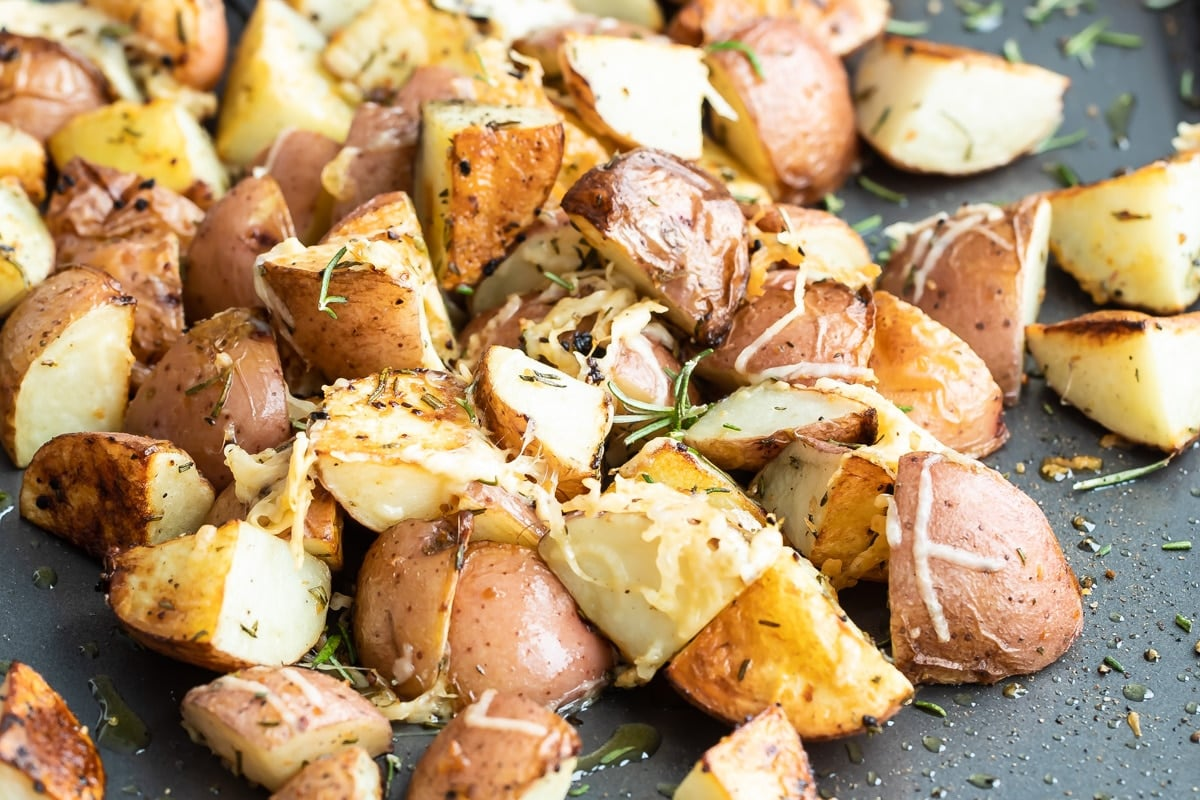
897,433
1136,375
329,16
400,446
650,566
22,157
558,249
94,352
349,773
381,46
761,760
792,485
26,247
1133,240
640,92
933,108
178,494
512,19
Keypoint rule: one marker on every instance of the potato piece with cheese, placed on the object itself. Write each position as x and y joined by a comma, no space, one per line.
159,140
1136,375
23,158
267,723
640,92
27,251
484,173
189,37
72,331
401,445
761,760
45,754
199,598
277,82
786,640
535,408
106,491
843,25
350,773
930,107
552,245
1132,240
650,565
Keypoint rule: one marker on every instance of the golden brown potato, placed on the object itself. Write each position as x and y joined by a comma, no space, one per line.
501,326
24,158
502,747
348,773
932,373
189,35
244,224
831,247
27,255
220,382
44,84
45,754
842,25
378,156
74,330
502,515
981,273
295,160
794,127
106,491
544,43
977,583
786,640
673,230
830,335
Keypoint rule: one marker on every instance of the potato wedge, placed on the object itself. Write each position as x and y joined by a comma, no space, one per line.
947,389
378,157
980,272
842,25
551,245
379,322
928,107
27,251
647,581
296,159
502,747
45,754
347,773
786,640
639,92
106,491
198,598
673,230
484,173
45,84
793,126
544,42
1130,240
159,140
191,36
277,82
534,408
399,446
1132,373
977,583
761,760
23,158
72,331
267,723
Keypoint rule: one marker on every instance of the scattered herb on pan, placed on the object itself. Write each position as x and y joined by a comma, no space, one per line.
1187,88
933,709
833,203
902,27
1183,623
1042,10
1012,51
1181,545
882,192
1083,44
869,224
1059,142
1112,663
325,299
1121,477
981,17
1159,5
1067,178
744,49
1118,116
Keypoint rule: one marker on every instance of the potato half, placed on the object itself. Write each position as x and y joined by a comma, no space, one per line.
199,598
348,773
1134,374
267,723
930,107
27,251
45,84
45,754
72,331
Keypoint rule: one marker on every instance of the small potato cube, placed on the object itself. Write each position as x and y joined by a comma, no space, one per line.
531,407
267,723
349,773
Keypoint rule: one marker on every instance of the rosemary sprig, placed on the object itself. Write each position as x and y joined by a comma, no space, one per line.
675,418
744,49
1122,476
325,298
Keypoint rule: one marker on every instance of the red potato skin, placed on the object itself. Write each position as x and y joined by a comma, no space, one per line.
295,161
43,85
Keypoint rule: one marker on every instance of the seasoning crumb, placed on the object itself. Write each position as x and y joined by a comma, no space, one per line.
1196,736
1108,573
1135,723
1020,468
1151,655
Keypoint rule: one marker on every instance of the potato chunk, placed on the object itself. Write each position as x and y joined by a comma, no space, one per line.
24,158
349,773
267,723
843,25
28,251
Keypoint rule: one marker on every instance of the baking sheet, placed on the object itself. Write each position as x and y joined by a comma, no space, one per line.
1061,733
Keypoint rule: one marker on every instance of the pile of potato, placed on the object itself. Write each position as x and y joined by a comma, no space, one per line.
529,297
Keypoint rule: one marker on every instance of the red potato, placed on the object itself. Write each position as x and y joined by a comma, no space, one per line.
190,36
44,84
295,160
843,25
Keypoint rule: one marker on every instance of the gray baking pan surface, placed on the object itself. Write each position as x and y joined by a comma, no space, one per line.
1061,733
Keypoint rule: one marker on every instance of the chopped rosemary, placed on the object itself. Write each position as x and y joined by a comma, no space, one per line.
980,18
325,299
902,27
1183,623
1059,142
882,120
1103,551
731,426
1021,555
744,49
560,280
674,419
933,709
1083,44
1114,664
466,406
393,766
882,192
833,203
1187,91
1118,116
431,401
1012,51
1182,545
1122,476
1041,11
869,224
464,289
1066,177
219,406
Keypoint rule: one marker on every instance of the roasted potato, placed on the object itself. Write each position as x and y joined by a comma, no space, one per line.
189,35
71,332
267,723
329,15
761,760
220,382
27,251
842,25
551,245
198,598
502,515
534,408
23,159
673,230
647,581
45,84
378,157
484,173
242,225
106,491
946,388
642,13
277,82
503,747
349,773
977,584
980,272
786,640
831,247
544,42
1128,239
929,107
296,160
1132,373
793,127
45,754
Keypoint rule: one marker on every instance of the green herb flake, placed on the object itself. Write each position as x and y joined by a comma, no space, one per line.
1183,623
1173,546
579,791
1060,142
981,18
901,27
1112,663
882,192
933,709
464,289
866,225
730,426
1012,52
1021,555
882,120
1187,88
1103,551
466,406
1120,477
1158,5
325,299
1118,116
393,766
833,203
905,408
182,468
744,49
559,280
1063,174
